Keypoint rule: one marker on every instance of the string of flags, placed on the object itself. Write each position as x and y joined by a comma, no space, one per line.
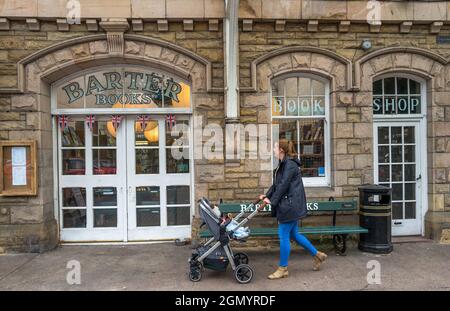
116,120
63,121
143,120
90,120
170,121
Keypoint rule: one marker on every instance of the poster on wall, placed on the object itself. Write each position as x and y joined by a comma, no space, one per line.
18,168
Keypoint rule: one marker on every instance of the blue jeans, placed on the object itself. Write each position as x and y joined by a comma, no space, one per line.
286,232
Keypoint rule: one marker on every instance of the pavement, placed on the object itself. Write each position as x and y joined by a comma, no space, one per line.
411,266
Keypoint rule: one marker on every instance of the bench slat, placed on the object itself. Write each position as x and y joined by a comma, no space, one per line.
314,206
303,230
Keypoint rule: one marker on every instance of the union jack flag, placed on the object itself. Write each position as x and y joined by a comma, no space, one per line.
143,120
90,120
63,121
170,121
116,121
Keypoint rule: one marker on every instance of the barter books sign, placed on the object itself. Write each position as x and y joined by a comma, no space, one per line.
123,88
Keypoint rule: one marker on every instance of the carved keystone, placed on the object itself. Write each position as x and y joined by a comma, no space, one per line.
114,33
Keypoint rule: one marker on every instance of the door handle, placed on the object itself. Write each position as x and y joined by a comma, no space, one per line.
419,178
397,222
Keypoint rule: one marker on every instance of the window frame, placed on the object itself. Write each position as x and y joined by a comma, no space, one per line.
423,100
309,181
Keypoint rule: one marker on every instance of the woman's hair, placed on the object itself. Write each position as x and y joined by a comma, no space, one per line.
288,147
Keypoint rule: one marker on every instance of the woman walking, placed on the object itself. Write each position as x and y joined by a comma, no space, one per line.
288,201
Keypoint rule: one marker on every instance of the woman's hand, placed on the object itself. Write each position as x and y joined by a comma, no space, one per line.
265,202
261,197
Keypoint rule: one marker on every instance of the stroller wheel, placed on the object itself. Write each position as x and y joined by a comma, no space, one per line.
195,272
243,273
240,258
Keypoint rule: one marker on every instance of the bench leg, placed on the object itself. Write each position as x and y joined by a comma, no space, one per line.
340,243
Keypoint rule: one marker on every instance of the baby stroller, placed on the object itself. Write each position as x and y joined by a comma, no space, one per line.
216,253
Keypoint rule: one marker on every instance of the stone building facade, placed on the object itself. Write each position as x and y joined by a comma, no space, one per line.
278,42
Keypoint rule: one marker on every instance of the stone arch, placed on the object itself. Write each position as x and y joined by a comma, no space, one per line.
416,61
31,97
301,59
56,61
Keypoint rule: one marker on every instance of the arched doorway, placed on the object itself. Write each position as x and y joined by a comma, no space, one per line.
123,141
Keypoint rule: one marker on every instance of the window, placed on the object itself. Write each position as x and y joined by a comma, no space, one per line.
300,115
394,96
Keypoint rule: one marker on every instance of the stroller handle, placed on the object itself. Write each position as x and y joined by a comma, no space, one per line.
256,202
262,205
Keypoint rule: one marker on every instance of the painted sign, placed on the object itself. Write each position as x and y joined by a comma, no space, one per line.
298,106
123,88
396,104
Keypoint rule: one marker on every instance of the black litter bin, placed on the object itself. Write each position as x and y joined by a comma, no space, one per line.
375,213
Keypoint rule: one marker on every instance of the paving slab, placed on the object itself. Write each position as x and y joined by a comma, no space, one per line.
411,266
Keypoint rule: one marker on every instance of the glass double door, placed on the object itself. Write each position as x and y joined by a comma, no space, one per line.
398,166
127,181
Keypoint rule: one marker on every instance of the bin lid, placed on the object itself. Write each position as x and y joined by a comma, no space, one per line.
372,188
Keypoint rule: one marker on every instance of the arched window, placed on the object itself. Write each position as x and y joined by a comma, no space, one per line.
300,115
396,96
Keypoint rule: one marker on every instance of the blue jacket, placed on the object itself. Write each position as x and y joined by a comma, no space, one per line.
287,194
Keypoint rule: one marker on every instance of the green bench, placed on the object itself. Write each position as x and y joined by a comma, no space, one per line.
339,233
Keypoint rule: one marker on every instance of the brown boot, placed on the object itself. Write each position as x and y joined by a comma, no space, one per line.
318,260
281,272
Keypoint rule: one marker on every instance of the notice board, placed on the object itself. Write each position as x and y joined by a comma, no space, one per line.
18,170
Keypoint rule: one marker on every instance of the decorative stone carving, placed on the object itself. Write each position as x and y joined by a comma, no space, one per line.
114,33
